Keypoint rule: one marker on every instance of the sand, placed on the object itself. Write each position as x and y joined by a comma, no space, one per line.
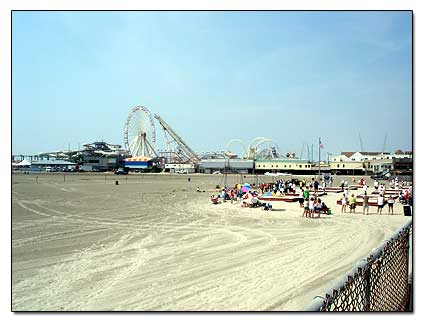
154,243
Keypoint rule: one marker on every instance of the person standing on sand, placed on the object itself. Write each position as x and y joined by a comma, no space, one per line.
306,194
301,198
352,204
311,208
344,202
380,203
366,205
390,202
346,192
305,208
318,207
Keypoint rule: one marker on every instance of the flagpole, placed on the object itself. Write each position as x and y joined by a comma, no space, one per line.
319,158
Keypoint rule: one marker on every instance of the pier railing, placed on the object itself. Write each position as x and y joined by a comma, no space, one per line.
378,283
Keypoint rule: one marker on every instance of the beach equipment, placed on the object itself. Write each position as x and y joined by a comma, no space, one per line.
275,198
334,189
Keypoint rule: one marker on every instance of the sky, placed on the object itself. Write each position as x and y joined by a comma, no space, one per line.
291,76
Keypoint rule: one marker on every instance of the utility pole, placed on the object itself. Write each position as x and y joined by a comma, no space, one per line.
360,142
225,170
319,158
384,143
312,152
301,153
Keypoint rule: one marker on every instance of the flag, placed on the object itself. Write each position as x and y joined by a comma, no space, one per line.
321,146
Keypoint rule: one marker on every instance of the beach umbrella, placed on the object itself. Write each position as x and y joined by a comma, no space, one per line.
245,188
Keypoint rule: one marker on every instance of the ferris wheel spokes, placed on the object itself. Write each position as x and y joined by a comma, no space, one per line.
139,132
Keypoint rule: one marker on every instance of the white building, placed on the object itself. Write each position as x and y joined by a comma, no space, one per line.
369,156
180,167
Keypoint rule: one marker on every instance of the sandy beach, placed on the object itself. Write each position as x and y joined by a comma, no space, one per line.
152,243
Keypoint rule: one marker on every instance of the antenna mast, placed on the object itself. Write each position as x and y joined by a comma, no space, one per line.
360,141
384,143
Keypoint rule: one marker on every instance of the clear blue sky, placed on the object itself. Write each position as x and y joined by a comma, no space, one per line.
214,76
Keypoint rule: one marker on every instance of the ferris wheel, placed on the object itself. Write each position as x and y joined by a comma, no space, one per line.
139,132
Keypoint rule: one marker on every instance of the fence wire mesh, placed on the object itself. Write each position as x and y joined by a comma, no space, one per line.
379,283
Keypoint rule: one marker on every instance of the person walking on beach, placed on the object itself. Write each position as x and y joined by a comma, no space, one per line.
352,204
380,203
366,205
390,202
344,203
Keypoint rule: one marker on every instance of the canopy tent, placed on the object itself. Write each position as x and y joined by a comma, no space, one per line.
23,163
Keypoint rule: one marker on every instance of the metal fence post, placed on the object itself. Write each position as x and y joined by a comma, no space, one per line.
367,279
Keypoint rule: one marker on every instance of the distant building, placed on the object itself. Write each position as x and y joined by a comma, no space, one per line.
141,162
228,165
98,156
288,165
51,165
368,156
180,167
370,162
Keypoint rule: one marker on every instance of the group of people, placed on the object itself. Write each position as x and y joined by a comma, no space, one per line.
279,187
381,198
229,194
309,199
351,201
249,199
311,204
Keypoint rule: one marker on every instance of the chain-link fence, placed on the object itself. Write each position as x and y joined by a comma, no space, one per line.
378,283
